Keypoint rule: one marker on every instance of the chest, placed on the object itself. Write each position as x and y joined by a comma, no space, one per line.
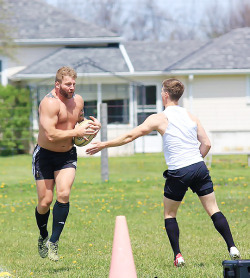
68,113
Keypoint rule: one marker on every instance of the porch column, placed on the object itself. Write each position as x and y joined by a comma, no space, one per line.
248,88
159,104
190,92
131,105
99,101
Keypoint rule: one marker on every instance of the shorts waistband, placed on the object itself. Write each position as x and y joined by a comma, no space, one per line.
49,151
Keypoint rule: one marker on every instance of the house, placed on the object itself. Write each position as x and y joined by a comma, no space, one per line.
128,75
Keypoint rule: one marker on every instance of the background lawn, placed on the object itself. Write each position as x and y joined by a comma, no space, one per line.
134,189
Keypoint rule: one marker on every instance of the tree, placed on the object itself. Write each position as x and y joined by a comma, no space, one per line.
219,23
6,41
15,120
148,22
135,21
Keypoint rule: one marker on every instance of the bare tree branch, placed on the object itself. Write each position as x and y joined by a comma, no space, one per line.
219,23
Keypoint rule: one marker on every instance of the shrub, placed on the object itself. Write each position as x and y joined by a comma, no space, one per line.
15,111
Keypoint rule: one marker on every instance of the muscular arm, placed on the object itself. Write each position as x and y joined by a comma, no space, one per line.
48,115
150,124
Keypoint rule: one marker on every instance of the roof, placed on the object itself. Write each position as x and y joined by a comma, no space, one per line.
35,19
158,56
144,56
230,51
88,59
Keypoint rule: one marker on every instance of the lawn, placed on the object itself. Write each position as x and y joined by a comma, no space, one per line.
134,189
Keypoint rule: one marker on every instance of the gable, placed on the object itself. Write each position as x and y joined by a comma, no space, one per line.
85,60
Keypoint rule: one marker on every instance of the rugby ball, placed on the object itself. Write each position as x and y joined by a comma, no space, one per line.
80,141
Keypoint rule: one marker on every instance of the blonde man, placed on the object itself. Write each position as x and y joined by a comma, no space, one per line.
185,145
55,157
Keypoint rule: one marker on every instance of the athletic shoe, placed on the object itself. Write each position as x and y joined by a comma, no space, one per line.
53,251
42,247
234,253
179,261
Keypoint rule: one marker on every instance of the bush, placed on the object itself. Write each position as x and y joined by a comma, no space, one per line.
15,110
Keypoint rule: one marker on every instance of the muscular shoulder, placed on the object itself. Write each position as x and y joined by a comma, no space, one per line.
156,118
157,122
78,98
49,103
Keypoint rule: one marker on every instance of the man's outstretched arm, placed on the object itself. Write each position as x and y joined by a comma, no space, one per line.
145,128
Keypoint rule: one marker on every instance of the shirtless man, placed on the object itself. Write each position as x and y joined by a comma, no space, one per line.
55,158
185,144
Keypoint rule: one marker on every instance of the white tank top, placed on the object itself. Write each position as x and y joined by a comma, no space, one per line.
180,143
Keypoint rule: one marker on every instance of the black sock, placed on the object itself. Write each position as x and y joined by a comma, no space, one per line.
221,225
42,220
173,232
60,213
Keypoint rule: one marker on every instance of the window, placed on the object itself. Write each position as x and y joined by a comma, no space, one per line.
117,98
146,97
90,108
118,111
146,103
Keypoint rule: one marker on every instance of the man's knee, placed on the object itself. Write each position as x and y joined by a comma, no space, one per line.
63,196
44,205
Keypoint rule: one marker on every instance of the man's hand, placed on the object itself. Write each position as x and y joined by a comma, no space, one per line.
96,124
96,147
85,129
91,128
81,116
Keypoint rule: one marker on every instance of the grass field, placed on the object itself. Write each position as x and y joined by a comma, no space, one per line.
134,189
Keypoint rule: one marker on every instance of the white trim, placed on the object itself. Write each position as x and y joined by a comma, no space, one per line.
126,58
68,41
248,89
209,72
190,92
4,75
228,130
99,101
131,104
159,104
20,76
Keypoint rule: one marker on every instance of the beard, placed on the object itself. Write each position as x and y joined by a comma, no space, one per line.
66,94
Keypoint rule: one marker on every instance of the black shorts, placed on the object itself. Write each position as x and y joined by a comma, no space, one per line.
45,162
195,176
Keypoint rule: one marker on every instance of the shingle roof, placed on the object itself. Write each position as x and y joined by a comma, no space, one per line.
145,56
158,56
230,51
93,60
35,19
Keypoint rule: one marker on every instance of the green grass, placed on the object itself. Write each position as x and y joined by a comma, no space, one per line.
135,190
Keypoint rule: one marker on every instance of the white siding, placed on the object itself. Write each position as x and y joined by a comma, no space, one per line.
220,102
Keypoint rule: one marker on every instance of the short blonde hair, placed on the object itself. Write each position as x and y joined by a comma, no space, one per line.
65,71
173,87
